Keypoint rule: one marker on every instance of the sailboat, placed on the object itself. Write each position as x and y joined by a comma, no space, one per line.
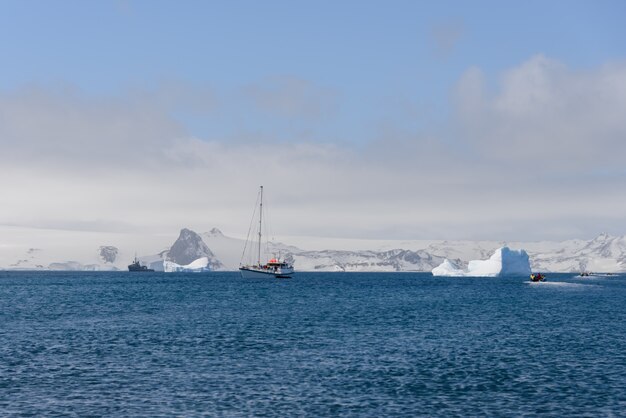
274,267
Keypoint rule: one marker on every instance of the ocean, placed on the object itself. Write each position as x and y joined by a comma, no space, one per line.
319,344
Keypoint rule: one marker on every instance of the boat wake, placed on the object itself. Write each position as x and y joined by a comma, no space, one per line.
593,276
560,284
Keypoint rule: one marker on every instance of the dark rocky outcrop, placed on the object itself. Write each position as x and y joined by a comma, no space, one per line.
108,253
189,247
215,233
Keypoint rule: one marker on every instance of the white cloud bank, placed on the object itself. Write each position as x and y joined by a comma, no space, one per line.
544,112
538,156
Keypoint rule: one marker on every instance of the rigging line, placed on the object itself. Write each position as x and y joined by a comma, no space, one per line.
269,230
250,229
266,226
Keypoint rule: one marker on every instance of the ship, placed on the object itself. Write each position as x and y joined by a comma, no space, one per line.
136,266
274,267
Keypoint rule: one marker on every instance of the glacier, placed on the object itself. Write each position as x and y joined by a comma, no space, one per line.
503,263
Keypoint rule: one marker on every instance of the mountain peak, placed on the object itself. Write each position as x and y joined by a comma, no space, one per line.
215,233
188,247
602,237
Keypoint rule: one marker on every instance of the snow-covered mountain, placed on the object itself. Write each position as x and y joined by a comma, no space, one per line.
226,249
188,248
44,249
229,251
367,260
604,253
51,249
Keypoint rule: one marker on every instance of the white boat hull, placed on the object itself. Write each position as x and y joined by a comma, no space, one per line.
251,273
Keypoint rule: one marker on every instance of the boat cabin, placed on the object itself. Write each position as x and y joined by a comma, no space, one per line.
274,262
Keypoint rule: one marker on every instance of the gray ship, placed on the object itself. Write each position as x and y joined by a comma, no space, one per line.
136,266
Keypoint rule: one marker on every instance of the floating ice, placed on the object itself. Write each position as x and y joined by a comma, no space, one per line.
503,262
197,266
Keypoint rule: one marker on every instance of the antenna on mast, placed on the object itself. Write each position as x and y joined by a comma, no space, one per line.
260,220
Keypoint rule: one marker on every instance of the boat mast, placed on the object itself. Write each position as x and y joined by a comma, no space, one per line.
260,219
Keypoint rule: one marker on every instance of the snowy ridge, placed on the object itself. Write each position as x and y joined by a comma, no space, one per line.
45,249
604,253
392,260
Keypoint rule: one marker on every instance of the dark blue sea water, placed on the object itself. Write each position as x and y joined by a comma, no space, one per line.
123,344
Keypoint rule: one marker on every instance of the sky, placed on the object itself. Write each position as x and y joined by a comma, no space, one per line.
362,119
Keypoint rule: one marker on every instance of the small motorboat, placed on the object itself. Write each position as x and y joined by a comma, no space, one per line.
537,277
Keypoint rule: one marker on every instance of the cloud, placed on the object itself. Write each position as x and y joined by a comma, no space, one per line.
446,36
291,97
176,96
65,126
536,156
544,112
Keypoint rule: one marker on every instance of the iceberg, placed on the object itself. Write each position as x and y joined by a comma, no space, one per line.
199,265
504,262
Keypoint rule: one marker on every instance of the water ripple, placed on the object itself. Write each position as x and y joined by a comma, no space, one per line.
319,344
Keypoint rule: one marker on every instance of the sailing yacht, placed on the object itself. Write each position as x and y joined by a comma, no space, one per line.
274,267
